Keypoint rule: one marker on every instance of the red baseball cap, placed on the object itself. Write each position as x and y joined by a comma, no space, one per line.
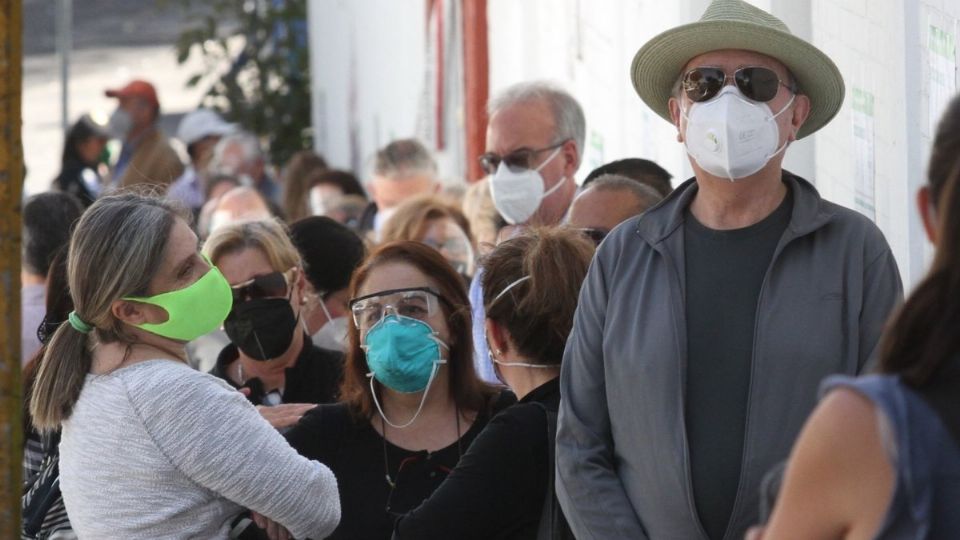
136,88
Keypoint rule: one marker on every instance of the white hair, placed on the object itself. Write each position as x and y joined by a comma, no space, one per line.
568,119
247,142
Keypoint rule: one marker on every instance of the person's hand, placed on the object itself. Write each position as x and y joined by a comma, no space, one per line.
274,530
285,415
754,533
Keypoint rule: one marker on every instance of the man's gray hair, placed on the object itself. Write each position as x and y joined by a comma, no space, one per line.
568,119
404,157
248,142
646,196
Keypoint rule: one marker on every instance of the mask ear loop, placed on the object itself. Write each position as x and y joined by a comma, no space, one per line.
773,118
423,400
559,184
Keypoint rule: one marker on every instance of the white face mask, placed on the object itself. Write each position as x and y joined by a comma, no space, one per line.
730,136
333,334
517,195
119,124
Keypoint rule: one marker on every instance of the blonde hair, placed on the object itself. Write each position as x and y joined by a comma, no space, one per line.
412,218
482,215
270,236
114,252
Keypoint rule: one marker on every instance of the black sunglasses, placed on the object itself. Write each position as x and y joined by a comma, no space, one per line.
516,160
757,83
406,487
272,285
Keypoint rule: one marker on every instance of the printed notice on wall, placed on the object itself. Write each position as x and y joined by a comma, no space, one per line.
864,150
942,45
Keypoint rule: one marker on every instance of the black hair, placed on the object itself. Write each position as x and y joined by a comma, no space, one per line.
641,170
78,133
48,220
330,252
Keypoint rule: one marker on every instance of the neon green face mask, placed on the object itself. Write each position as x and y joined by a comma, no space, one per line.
194,310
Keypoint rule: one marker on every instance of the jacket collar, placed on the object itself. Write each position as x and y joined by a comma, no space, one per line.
810,211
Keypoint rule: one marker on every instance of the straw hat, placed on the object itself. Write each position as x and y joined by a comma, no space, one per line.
735,24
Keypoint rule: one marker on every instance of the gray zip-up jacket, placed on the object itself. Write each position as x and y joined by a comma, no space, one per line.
623,469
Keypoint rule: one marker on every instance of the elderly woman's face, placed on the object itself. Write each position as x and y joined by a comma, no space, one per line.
243,266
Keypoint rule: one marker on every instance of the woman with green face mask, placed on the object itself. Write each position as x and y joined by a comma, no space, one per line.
181,452
411,402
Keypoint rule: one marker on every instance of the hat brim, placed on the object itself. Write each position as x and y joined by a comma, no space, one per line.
657,65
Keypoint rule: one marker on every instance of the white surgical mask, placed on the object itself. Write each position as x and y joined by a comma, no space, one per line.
119,124
730,136
517,195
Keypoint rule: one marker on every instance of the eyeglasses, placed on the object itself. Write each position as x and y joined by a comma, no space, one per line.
757,83
594,234
416,302
516,160
272,285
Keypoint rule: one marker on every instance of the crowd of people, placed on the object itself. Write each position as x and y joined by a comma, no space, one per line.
228,348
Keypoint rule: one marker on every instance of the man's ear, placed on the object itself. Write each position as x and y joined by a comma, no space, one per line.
675,116
571,157
801,111
927,213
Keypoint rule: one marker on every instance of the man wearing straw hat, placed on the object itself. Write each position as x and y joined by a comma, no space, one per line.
706,324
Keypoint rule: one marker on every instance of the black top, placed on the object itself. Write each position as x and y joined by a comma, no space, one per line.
71,180
498,489
355,452
314,378
724,275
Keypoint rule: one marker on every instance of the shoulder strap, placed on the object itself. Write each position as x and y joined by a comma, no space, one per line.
40,496
553,525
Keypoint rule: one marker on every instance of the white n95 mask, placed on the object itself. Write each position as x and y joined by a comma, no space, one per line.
517,195
730,136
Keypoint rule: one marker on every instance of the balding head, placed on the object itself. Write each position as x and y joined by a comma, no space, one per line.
610,200
239,204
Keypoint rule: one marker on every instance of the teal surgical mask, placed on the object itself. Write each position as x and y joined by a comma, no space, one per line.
192,311
402,353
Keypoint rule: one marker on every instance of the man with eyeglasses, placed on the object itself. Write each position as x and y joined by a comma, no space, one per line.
534,147
706,324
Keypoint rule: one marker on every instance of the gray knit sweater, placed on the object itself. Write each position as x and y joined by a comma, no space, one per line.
158,450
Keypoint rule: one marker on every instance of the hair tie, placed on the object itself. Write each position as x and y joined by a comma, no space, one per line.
77,323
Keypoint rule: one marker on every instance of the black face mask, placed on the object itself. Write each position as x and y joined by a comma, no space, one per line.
261,328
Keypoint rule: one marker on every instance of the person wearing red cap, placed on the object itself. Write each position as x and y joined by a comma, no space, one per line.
146,156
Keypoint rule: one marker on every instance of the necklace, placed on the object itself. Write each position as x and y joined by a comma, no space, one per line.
386,462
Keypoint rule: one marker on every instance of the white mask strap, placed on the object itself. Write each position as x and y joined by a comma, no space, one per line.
785,107
549,159
523,364
323,306
508,287
423,399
